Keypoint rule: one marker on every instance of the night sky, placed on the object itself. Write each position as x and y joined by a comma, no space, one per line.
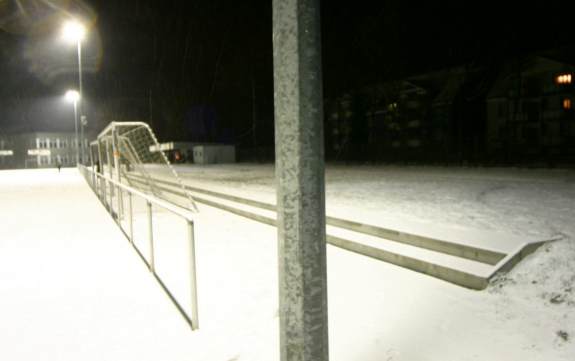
168,62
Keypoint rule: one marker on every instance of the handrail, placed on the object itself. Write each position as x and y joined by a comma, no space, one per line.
99,184
474,253
182,212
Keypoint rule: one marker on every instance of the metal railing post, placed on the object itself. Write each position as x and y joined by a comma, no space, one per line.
104,186
111,204
150,235
104,192
120,208
120,204
131,217
193,282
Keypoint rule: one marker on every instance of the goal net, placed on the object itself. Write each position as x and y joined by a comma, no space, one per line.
129,151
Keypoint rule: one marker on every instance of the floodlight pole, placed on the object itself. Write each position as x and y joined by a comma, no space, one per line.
300,181
76,129
80,108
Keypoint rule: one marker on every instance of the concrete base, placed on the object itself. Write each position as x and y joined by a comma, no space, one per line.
462,258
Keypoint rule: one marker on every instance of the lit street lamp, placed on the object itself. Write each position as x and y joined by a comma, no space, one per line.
74,32
73,96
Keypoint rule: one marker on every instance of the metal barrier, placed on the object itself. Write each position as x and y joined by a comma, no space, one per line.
105,187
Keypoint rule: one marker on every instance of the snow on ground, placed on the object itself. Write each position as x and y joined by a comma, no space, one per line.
70,286
518,201
531,203
60,301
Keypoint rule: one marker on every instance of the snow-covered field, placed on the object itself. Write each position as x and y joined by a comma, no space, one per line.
377,311
519,201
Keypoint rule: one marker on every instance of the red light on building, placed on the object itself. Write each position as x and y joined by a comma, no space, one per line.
567,104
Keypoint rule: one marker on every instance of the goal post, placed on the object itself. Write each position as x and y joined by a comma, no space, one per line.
127,151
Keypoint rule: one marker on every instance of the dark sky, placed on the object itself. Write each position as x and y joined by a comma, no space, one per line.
167,61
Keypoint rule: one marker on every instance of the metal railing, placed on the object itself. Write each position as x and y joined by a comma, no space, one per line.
109,190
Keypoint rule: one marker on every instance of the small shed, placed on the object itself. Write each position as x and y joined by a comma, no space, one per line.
214,153
177,152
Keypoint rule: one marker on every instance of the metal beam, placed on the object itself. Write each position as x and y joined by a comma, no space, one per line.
300,181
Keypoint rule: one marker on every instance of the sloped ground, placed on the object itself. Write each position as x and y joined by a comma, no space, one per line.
544,284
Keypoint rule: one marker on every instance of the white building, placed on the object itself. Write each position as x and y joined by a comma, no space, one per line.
214,153
6,152
198,153
39,150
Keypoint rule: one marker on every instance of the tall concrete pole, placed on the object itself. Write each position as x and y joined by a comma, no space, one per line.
80,105
300,180
76,131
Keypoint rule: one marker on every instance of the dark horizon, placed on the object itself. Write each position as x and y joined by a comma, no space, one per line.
170,63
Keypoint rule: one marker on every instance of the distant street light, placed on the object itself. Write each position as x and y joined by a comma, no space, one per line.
74,32
73,97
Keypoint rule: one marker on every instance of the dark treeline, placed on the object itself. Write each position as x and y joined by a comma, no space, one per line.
203,70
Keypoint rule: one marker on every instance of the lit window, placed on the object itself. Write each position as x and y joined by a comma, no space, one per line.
567,104
563,79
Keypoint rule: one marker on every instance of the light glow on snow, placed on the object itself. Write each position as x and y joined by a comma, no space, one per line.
72,287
